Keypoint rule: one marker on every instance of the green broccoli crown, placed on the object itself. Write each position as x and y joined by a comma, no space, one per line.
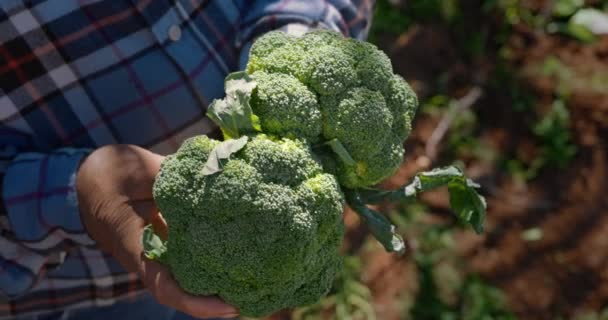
322,86
263,233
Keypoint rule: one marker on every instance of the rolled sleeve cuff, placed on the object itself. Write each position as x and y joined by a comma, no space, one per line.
40,198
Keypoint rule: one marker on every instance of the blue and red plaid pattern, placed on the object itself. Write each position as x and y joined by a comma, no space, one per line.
79,74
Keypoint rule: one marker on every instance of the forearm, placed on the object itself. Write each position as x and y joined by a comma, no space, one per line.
40,217
40,200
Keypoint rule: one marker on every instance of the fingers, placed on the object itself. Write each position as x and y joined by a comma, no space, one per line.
115,192
123,235
164,288
147,211
159,225
161,284
149,214
127,249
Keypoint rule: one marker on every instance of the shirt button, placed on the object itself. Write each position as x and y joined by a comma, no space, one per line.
175,32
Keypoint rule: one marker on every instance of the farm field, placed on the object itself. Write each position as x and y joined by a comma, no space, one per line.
517,93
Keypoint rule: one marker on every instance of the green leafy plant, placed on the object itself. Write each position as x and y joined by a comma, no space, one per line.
349,298
566,8
556,148
475,299
554,134
586,24
388,20
572,18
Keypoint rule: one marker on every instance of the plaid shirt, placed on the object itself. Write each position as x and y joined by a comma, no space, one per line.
79,74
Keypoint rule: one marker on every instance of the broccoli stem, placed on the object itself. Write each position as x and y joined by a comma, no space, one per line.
379,225
467,204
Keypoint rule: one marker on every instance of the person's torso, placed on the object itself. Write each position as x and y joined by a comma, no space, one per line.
91,73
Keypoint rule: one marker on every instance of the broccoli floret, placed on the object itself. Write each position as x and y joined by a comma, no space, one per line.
317,38
400,96
270,42
264,46
263,233
374,167
360,119
281,60
361,102
275,53
285,106
328,71
374,68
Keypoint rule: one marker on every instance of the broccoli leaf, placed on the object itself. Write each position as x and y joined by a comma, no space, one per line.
341,151
469,206
221,152
379,225
239,81
154,247
233,114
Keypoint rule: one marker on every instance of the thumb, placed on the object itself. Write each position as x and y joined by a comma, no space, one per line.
159,225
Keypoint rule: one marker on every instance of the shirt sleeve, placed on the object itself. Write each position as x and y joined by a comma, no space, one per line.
41,220
296,17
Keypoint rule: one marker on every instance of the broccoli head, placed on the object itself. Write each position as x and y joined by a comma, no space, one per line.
263,233
322,87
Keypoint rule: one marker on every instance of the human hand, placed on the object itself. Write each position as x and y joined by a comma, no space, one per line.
114,186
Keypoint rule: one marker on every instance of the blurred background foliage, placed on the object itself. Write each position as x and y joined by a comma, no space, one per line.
516,92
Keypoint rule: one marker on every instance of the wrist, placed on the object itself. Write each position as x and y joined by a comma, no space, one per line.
94,179
82,211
